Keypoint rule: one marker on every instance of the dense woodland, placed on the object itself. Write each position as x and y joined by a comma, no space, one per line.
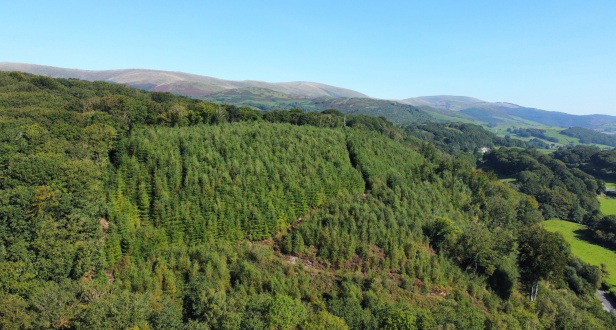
268,100
562,192
454,137
589,136
564,183
600,163
590,159
534,132
126,209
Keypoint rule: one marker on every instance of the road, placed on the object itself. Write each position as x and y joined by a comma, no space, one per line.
609,305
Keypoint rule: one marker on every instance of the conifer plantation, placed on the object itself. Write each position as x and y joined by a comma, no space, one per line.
125,209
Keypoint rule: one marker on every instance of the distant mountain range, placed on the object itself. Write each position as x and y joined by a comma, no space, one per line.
498,113
312,96
266,99
181,83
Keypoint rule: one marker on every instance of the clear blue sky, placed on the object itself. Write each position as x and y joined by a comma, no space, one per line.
554,55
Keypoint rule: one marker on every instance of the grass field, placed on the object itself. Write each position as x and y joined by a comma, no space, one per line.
510,180
550,131
562,139
608,205
589,253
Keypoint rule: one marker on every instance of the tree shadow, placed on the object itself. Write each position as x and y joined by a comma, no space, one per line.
587,235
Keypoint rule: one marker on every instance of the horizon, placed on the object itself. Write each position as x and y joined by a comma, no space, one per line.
550,56
305,81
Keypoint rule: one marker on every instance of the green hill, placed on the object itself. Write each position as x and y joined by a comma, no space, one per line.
180,83
122,208
265,99
589,136
508,114
317,97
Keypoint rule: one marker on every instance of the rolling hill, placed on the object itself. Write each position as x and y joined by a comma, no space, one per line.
312,96
180,83
502,113
127,209
309,96
267,99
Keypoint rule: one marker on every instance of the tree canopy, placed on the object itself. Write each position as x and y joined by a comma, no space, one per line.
127,209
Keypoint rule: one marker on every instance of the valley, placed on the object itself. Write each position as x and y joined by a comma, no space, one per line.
124,208
311,96
302,165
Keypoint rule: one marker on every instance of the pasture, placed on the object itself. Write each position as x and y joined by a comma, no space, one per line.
590,253
608,205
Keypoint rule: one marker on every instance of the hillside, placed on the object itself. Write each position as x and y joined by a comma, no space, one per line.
455,137
312,96
501,113
122,208
589,136
453,103
180,83
265,99
581,245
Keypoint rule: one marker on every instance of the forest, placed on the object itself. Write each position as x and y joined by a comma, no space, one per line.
534,132
589,136
564,183
453,137
126,209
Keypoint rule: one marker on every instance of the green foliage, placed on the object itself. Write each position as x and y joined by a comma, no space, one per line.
592,160
443,233
325,321
588,252
397,318
14,313
605,230
284,312
117,310
126,209
562,192
460,136
268,100
608,205
543,255
589,136
459,315
228,181
604,163
534,132
479,249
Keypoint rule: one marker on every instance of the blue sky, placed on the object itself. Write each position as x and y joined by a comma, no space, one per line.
553,55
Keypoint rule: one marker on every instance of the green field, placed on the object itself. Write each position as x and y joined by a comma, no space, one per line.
510,180
562,139
589,253
550,131
608,205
